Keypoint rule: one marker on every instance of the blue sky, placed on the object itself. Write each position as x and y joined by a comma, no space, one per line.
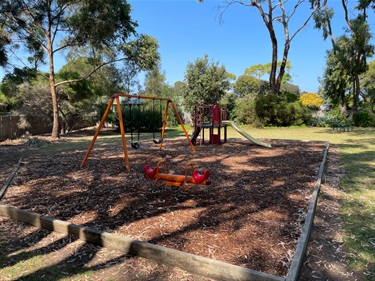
187,30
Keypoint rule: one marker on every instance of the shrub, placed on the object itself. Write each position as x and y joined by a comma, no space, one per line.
139,119
333,119
245,111
311,100
281,110
364,119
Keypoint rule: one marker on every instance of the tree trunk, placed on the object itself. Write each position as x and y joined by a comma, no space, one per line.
273,86
55,107
356,92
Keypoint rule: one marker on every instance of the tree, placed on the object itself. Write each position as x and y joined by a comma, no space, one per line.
276,11
247,85
259,70
100,29
347,60
4,40
129,75
205,82
155,82
368,89
78,101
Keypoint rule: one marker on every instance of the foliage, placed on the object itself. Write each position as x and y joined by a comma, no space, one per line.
10,94
248,85
4,40
280,110
311,100
290,88
259,70
229,101
102,30
364,119
154,82
332,119
346,62
205,83
368,86
138,118
245,112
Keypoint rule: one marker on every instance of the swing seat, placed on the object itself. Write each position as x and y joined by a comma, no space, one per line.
135,145
159,141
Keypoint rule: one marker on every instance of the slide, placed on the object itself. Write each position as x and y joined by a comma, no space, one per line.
195,135
246,135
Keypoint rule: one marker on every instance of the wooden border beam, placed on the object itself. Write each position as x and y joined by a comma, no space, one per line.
192,263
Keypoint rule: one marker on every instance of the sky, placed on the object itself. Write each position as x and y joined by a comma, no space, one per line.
236,38
187,30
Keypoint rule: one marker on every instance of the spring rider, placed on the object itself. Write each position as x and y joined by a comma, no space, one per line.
186,181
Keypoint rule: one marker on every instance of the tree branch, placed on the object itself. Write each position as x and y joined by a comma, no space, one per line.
89,74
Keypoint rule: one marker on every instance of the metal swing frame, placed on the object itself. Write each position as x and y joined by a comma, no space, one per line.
122,129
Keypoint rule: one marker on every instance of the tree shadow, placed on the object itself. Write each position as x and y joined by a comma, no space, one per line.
269,192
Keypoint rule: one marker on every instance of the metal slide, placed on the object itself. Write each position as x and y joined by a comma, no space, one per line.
246,135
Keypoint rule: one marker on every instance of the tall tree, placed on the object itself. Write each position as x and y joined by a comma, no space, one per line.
368,86
100,29
4,40
155,82
277,12
348,58
205,82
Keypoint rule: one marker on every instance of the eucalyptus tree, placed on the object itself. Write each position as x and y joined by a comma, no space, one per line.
99,29
280,12
347,60
4,40
155,82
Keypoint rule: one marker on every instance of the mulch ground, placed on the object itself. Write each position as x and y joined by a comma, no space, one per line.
251,214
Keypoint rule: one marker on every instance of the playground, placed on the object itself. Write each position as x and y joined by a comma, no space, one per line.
251,214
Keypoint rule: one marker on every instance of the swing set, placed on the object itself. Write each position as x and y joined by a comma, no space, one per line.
136,144
122,129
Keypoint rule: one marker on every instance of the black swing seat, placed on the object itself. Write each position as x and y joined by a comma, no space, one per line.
158,142
135,145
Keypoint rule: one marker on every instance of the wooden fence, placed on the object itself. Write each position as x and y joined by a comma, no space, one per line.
12,126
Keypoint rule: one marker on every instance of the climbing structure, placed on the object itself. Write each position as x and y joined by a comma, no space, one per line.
209,117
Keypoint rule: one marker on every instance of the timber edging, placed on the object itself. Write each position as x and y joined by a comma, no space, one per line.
192,263
300,252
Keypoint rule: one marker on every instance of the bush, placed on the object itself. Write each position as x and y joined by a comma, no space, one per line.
333,119
311,100
281,110
245,111
139,119
364,119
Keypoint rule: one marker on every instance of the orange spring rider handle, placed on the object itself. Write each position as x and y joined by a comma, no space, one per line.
176,180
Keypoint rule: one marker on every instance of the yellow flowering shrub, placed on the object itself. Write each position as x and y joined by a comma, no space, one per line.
311,100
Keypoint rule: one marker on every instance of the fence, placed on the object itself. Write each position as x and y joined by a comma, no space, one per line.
15,126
